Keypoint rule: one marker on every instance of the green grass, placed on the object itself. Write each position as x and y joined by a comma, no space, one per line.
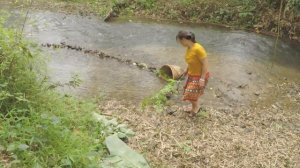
160,99
39,127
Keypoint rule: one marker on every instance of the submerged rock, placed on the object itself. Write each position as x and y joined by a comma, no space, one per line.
110,15
142,65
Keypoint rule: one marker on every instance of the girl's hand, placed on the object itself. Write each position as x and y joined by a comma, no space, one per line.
186,72
185,76
202,82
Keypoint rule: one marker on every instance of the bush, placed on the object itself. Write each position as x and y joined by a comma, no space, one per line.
40,128
146,4
294,6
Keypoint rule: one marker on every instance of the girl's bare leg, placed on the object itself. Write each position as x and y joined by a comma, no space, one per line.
195,106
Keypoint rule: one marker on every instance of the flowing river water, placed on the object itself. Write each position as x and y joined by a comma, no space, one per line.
251,114
242,64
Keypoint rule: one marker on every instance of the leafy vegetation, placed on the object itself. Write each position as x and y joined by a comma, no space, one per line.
268,16
113,127
38,127
253,14
160,98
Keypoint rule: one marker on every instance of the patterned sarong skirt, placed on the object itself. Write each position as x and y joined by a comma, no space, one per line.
192,88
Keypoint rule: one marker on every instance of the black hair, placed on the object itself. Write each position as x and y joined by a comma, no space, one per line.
186,35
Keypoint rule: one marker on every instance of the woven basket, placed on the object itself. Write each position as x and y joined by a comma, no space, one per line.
172,71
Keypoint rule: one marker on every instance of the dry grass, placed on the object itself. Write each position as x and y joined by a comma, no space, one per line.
246,137
4,160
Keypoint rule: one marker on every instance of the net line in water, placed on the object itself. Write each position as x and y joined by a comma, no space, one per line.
101,55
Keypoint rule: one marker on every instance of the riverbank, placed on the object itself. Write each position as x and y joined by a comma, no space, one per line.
272,18
266,134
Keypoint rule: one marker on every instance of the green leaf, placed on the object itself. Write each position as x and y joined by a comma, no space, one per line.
66,162
55,120
37,165
120,126
121,135
2,148
113,122
11,147
23,147
129,133
122,156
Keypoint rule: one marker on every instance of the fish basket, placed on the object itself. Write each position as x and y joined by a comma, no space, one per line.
171,72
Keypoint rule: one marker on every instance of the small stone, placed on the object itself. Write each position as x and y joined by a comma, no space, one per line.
142,66
242,86
219,93
243,126
257,94
168,96
152,68
171,111
279,106
274,107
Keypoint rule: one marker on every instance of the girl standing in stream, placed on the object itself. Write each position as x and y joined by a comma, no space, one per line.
197,71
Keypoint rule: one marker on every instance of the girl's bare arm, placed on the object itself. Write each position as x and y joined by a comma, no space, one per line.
204,68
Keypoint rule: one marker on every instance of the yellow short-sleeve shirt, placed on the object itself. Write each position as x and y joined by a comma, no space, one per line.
193,58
